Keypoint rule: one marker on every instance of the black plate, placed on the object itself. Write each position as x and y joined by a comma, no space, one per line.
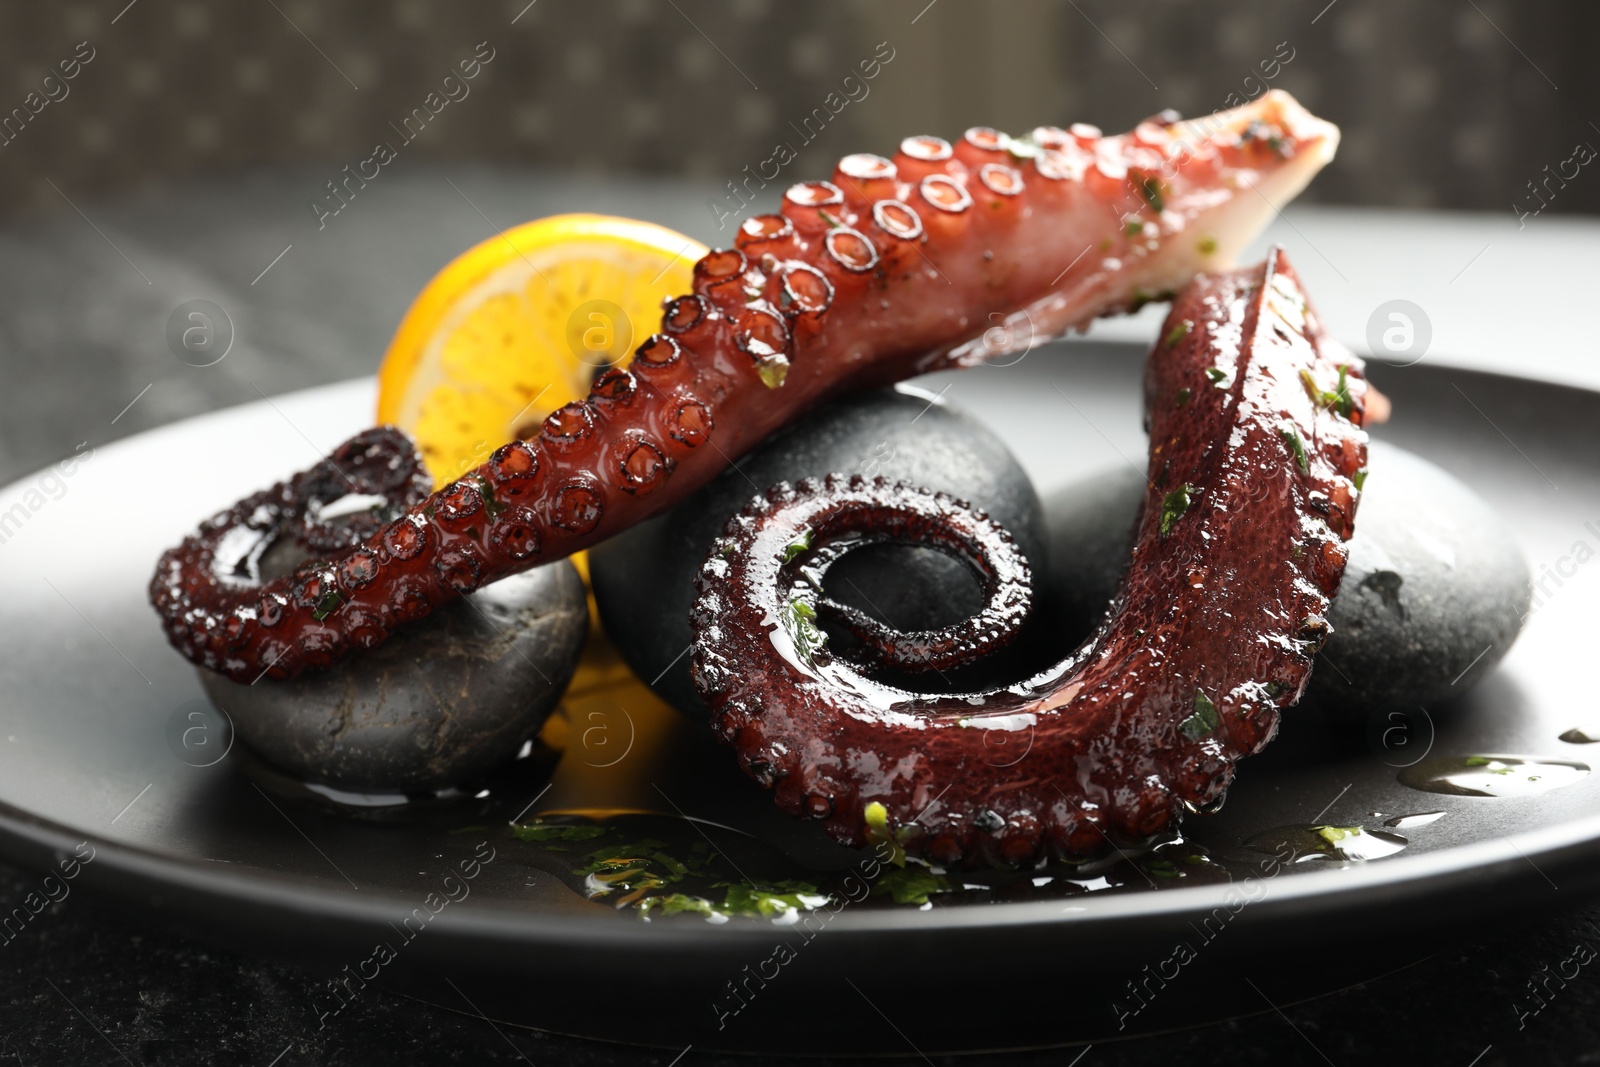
93,693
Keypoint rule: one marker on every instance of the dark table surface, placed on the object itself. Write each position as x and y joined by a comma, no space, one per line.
83,356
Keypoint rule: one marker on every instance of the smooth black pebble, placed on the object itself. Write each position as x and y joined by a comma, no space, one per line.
437,706
1433,596
643,578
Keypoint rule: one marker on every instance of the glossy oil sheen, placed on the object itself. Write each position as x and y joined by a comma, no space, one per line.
90,739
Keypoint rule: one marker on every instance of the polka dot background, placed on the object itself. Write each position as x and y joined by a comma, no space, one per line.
1444,104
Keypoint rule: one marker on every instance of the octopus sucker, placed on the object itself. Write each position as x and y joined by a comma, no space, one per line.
898,266
1252,493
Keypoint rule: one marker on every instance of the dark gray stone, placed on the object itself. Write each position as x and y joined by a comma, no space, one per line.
1434,594
438,705
643,578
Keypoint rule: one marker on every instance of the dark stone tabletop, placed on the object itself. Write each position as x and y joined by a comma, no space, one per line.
83,356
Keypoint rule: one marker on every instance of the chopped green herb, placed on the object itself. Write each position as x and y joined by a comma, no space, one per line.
1161,868
490,504
800,619
833,223
1207,245
1179,332
327,604
1360,479
1338,399
1343,402
674,868
798,545
1216,374
876,817
1203,721
770,901
911,885
1133,227
1319,396
773,370
1173,507
1183,396
676,904
1291,437
537,832
1151,189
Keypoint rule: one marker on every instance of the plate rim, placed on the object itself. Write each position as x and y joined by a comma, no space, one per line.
29,838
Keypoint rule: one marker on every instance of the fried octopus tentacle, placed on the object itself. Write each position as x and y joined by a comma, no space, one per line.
1256,450
943,256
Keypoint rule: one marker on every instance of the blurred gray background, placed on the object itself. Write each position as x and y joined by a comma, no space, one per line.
185,158
1446,103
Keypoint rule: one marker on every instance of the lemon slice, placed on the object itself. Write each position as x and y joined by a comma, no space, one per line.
519,325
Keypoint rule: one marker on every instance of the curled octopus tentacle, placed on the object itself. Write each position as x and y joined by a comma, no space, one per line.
800,532
943,256
1257,455
209,589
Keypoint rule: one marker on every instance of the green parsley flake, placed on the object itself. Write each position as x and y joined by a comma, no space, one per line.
1216,374
1151,189
1291,437
1207,246
1179,332
327,604
1338,399
800,620
1133,227
1141,298
911,885
773,371
798,545
1183,396
1204,720
1343,402
1173,507
676,904
1161,868
490,504
538,832
876,818
1360,479
770,901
